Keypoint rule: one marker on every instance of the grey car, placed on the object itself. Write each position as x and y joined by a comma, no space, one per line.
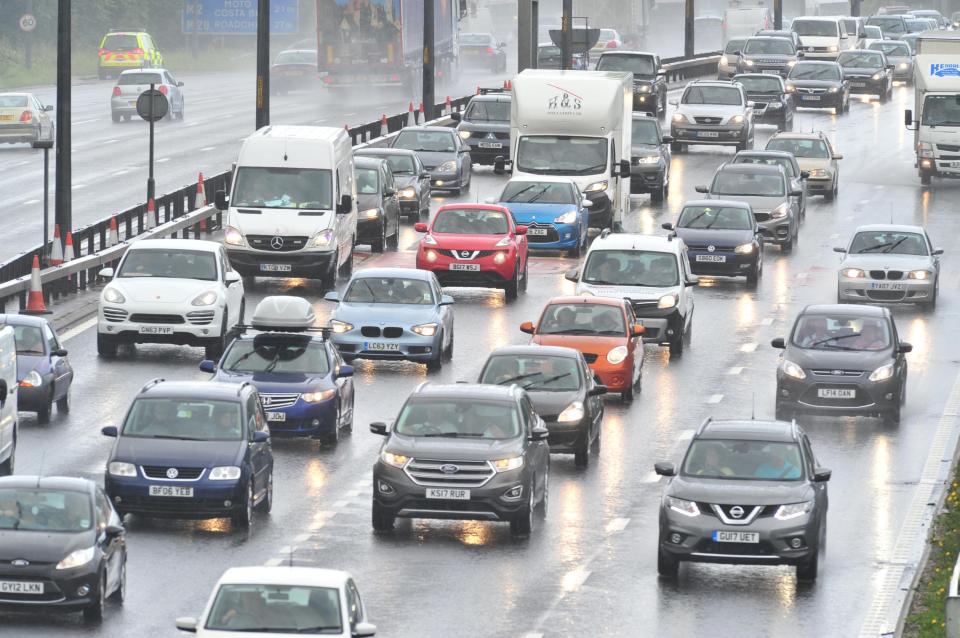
772,104
650,159
747,493
463,452
766,54
444,154
378,216
899,56
649,78
485,126
410,178
133,82
798,177
768,191
727,66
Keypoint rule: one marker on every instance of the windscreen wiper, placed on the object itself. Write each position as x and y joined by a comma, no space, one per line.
519,377
836,338
547,380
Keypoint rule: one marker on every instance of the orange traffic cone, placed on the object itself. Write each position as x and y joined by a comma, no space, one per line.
411,119
507,85
56,251
151,221
201,200
68,253
421,115
113,237
384,129
35,304
478,90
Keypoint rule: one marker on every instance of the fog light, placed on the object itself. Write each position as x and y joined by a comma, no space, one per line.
888,396
926,164
228,503
784,392
315,422
514,492
670,331
109,328
796,543
117,499
205,331
675,538
384,488
617,380
83,590
439,182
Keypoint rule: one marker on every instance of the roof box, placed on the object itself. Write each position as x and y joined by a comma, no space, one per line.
283,312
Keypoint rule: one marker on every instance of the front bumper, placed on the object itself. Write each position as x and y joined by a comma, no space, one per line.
301,263
160,323
60,588
32,399
646,102
868,85
617,378
866,290
660,325
936,167
557,237
703,262
776,231
209,500
601,213
409,346
819,100
487,154
869,398
647,178
369,229
304,419
489,274
568,438
445,181
769,112
719,135
905,75
819,185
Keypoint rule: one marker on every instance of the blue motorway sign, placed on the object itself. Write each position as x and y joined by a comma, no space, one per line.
237,17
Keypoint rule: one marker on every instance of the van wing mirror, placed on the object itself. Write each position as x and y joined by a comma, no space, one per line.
665,469
220,200
908,118
345,206
624,168
778,343
456,117
572,275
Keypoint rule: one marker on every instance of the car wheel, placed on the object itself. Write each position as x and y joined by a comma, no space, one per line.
892,415
512,287
932,304
581,458
347,269
544,503
741,146
328,281
381,243
676,346
43,414
8,466
382,519
627,395
437,362
667,565
786,124
925,179
94,612
120,593
448,351
807,570
116,117
676,147
783,413
753,278
267,503
787,248
657,196
244,517
522,523
526,275
106,348
333,438
577,250
214,349
243,310
393,241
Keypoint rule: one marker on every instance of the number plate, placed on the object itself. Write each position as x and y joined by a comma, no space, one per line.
812,98
490,145
708,134
885,286
717,259
725,536
448,493
276,268
771,72
836,393
6,118
276,416
858,85
470,267
537,232
376,346
171,490
17,587
156,330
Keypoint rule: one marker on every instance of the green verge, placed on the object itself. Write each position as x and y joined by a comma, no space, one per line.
927,616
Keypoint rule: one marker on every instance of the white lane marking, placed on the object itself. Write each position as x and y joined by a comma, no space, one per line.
162,160
766,321
802,275
864,201
748,347
651,477
123,171
86,121
109,142
735,370
77,187
302,538
352,494
715,398
685,435
207,148
574,579
617,525
31,201
533,634
273,562
320,121
20,163
339,504
835,236
78,329
349,114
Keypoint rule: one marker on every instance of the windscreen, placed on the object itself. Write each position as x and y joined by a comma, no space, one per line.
562,155
13,101
535,373
184,419
941,110
860,60
28,339
712,95
760,84
809,148
297,57
43,510
747,184
476,39
916,26
744,460
815,28
718,218
842,332
368,182
276,609
488,111
542,192
582,319
631,268
283,188
767,160
425,141
645,132
822,72
891,49
390,290
169,263
734,45
127,79
873,31
890,26
639,65
458,418
770,46
471,222
277,354
888,242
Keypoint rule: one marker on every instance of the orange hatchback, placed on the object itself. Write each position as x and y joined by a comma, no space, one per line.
604,329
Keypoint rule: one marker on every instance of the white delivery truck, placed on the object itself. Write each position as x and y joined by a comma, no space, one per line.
292,210
935,118
575,124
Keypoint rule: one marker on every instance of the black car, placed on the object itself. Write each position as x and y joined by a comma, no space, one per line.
563,390
798,178
444,154
550,57
62,546
747,493
772,103
294,69
867,72
767,54
484,126
819,85
482,51
842,359
722,238
464,451
649,79
44,373
193,451
410,178
378,206
649,159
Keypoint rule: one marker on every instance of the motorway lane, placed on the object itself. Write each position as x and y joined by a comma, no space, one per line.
595,552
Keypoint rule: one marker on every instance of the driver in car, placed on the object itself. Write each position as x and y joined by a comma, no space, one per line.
712,464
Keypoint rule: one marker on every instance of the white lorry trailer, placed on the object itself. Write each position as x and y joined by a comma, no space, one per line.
935,118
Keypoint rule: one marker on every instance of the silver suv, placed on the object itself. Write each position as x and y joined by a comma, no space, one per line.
714,112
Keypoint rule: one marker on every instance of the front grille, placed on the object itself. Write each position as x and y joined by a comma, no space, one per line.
703,249
503,136
838,373
277,243
894,274
644,305
201,317
886,274
183,473
811,396
392,332
467,474
590,357
950,148
759,105
551,236
277,400
707,120
466,254
148,318
370,331
811,91
886,295
761,217
114,315
707,510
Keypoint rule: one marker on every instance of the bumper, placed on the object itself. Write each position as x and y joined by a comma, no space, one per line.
304,419
733,264
776,231
300,263
12,133
558,237
568,438
948,169
868,86
445,181
713,135
869,398
904,75
411,205
486,155
368,229
158,324
646,102
770,113
819,185
868,291
618,377
660,325
123,106
410,347
60,593
819,100
208,501
32,399
648,178
726,71
489,275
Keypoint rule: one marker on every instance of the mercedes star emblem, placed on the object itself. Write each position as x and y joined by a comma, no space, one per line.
736,511
276,242
172,473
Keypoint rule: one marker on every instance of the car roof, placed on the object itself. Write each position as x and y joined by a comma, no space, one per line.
368,161
406,273
715,82
751,168
208,390
182,244
896,228
817,62
22,320
634,241
749,430
480,391
435,129
763,153
718,203
466,206
153,69
491,97
768,36
15,94
853,310
797,135
622,52
758,75
553,179
283,575
547,351
476,33
587,301
69,483
383,150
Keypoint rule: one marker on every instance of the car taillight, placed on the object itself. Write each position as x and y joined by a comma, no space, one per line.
102,52
135,51
327,79
394,78
116,91
490,50
612,44
163,89
26,116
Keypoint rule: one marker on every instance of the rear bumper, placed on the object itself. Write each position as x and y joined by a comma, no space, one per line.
710,135
17,132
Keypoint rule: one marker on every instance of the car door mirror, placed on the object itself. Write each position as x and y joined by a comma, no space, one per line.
661,72
840,249
220,200
333,295
344,371
637,329
260,437
838,157
109,430
539,432
666,139
500,164
48,108
905,347
674,102
379,427
208,366
424,175
60,352
891,67
778,343
420,227
821,474
187,624
364,630
702,189
804,174
456,117
572,275
521,230
692,280
800,54
345,206
389,192
938,251
665,469
112,531
179,83
751,104
231,277
586,203
106,273
666,226
527,327
446,300
597,390
490,200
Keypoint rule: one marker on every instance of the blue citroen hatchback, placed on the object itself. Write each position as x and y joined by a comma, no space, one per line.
305,387
552,208
193,451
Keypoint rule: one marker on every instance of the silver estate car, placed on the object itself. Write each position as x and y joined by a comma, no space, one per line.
889,263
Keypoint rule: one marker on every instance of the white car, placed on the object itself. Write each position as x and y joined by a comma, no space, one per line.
179,291
282,601
889,263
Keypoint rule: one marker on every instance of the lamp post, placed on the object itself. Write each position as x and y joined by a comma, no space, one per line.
46,145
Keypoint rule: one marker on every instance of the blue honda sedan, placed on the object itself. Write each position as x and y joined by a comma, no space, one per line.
552,208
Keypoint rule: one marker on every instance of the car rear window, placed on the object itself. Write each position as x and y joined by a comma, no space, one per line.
13,101
139,78
121,42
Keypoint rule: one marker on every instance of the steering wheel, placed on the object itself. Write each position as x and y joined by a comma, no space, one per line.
430,429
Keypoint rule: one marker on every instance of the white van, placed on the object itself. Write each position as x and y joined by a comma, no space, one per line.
292,210
822,38
8,400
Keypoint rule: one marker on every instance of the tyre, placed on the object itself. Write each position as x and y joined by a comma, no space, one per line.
105,347
526,275
830,195
882,96
667,565
448,351
347,268
328,281
378,245
787,248
43,414
8,466
925,179
244,517
657,196
544,503
94,612
437,362
333,438
932,304
393,241
783,413
807,570
581,458
215,347
741,146
512,287
627,395
678,342
577,250
675,147
120,593
63,404
892,415
266,504
382,519
753,277
522,523
116,117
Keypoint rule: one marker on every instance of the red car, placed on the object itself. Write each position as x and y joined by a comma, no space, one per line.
475,245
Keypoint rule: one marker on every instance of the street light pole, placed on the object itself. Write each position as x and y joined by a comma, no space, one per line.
429,61
151,184
566,36
263,63
63,201
46,145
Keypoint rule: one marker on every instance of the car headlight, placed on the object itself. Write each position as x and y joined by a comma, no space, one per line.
408,193
682,506
791,63
324,239
902,65
587,293
118,468
644,88
876,76
780,211
925,149
792,510
882,373
680,118
668,301
834,89
793,370
370,213
429,240
500,258
572,413
744,249
340,327
77,558
112,295
32,380
819,172
773,106
506,241
918,274
425,329
833,48
736,119
225,473
394,460
748,62
505,465
447,167
465,135
569,217
318,397
853,273
205,299
431,255
649,159
617,355
233,237
791,88
596,187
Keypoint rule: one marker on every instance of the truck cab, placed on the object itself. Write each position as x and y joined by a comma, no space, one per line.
935,118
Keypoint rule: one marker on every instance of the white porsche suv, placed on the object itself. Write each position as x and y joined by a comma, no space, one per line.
714,112
177,291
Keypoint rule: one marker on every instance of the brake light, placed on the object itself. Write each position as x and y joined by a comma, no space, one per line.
116,91
327,79
163,89
26,116
489,50
135,51
102,52
612,44
394,78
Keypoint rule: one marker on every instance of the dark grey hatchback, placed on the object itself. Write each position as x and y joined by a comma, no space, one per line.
465,452
747,493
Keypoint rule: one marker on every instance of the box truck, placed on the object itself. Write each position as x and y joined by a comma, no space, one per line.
935,118
576,124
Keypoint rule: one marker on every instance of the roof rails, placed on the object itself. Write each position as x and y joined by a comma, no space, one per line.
605,233
243,385
492,89
150,384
